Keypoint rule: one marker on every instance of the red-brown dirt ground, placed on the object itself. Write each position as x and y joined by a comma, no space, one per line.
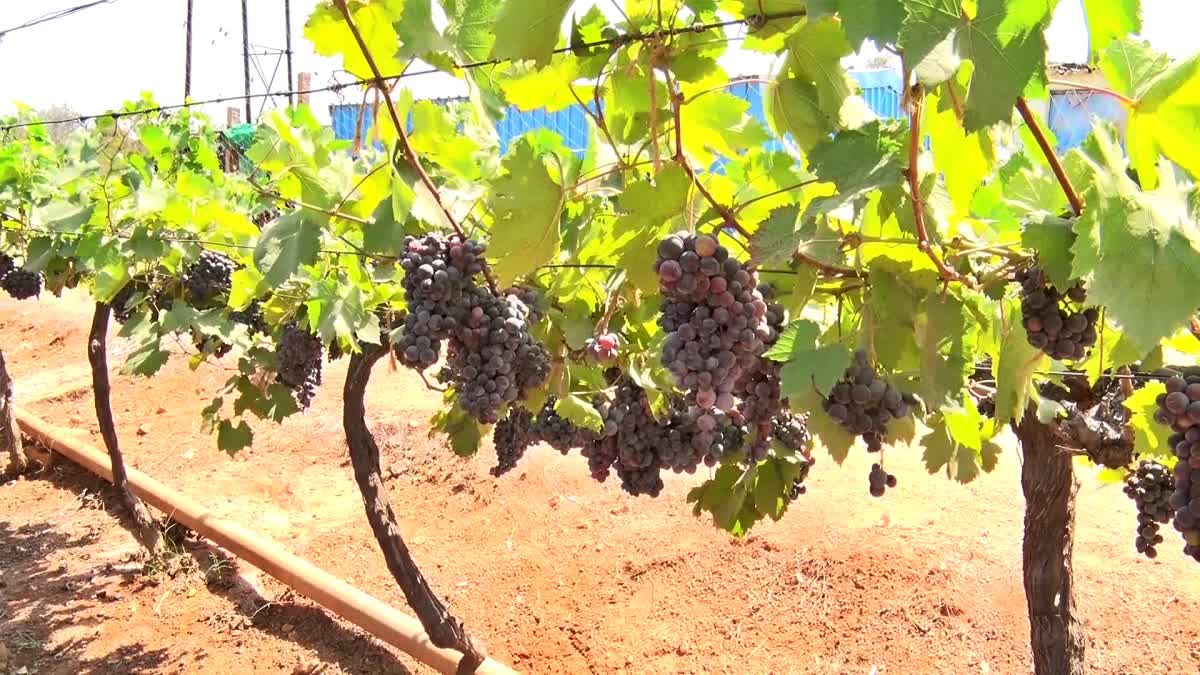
555,573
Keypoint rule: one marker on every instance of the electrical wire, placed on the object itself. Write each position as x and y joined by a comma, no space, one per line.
53,16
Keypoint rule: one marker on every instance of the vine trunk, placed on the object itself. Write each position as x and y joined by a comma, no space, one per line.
444,630
10,436
146,529
1049,483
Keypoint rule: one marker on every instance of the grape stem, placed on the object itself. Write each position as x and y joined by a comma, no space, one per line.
410,154
914,185
1055,165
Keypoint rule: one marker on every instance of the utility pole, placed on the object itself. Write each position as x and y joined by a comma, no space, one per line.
187,61
246,58
287,36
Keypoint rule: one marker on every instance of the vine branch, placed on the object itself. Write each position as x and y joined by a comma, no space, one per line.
914,184
1055,165
410,154
1131,102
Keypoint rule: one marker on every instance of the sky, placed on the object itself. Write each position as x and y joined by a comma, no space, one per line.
96,59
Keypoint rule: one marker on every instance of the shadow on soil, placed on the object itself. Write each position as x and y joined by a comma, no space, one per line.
32,586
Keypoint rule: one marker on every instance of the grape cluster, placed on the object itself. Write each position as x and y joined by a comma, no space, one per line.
863,403
511,436
558,432
493,358
880,480
1054,322
122,303
603,348
1150,486
208,277
20,284
760,388
1179,408
713,313
299,355
252,318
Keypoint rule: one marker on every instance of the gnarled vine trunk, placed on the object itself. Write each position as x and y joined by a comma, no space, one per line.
101,393
1049,483
10,435
444,630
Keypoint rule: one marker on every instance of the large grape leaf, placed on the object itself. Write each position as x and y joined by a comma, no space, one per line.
231,438
783,234
878,20
957,443
1013,364
287,243
418,35
807,365
465,434
527,203
528,29
948,333
813,95
1149,437
717,124
330,34
1052,238
963,159
857,162
1141,249
531,88
1164,122
1130,66
891,312
836,440
436,138
1109,20
648,211
1005,43
728,496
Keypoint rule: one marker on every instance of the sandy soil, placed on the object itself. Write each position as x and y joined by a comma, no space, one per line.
555,573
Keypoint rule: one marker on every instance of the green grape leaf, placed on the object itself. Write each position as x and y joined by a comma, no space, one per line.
963,159
528,29
813,95
579,412
878,20
1013,365
465,434
1149,437
893,309
1110,20
1031,191
823,428
147,355
246,285
527,203
330,35
110,279
716,124
1142,248
956,443
726,497
857,162
1004,42
418,35
470,28
435,137
648,211
1130,66
1164,122
808,365
287,243
1052,238
770,492
232,438
532,88
947,333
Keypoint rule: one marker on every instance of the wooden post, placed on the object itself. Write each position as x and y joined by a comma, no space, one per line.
303,84
10,436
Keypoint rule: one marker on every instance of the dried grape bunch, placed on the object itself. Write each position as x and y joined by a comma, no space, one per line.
1054,320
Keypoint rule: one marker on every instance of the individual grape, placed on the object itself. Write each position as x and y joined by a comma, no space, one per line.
511,437
22,284
299,362
208,277
1053,320
1151,487
604,347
